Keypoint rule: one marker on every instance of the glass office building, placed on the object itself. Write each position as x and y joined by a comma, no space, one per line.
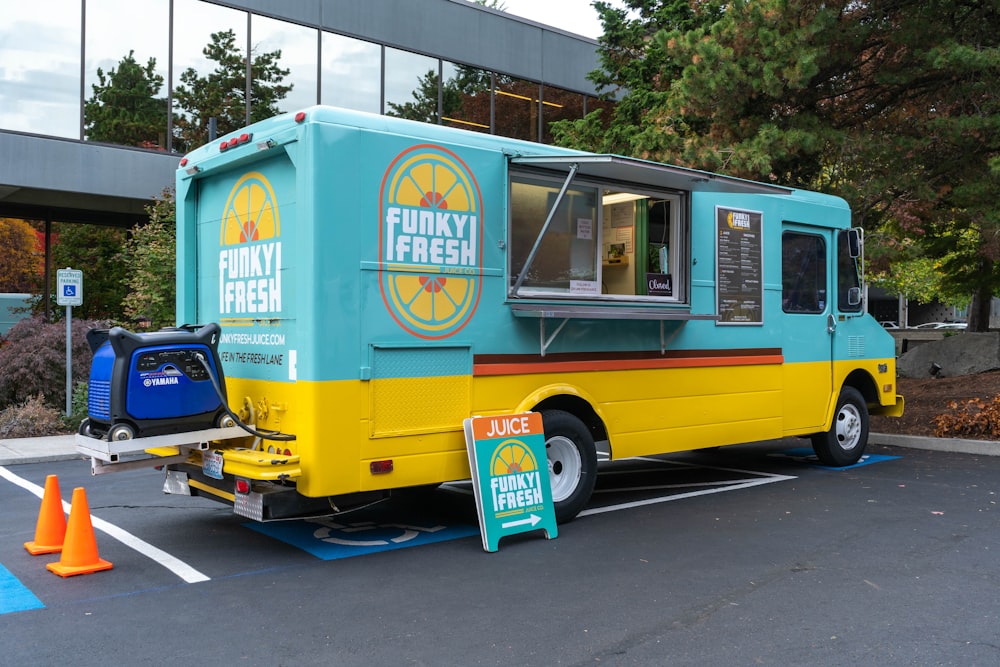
99,98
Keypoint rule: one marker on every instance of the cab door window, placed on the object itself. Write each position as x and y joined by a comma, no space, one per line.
803,273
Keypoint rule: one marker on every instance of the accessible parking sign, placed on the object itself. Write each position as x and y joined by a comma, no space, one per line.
510,476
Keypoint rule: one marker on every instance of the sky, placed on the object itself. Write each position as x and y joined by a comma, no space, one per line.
576,16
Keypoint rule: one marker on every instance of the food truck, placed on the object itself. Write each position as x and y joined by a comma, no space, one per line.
377,281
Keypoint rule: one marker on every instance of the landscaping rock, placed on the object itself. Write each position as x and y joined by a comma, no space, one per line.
962,354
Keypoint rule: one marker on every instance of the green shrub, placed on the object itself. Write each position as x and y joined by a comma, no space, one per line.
78,405
30,419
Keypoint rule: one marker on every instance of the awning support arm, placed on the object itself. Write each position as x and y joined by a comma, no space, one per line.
548,221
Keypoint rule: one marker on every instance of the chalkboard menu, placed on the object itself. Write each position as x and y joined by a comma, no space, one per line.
739,282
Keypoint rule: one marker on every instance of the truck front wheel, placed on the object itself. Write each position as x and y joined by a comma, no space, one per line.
845,442
572,459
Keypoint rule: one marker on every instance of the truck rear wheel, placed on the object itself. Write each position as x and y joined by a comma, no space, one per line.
572,459
845,442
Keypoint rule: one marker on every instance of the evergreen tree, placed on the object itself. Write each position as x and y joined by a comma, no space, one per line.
222,93
124,108
893,105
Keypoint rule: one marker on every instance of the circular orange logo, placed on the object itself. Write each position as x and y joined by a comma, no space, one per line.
430,241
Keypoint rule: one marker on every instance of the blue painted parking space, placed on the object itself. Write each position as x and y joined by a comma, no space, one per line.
805,455
332,539
15,596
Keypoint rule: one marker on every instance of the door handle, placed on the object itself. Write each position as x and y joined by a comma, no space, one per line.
831,323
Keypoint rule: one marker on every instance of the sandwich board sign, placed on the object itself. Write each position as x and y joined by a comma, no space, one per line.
510,476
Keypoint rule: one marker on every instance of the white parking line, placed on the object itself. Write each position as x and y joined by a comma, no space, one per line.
716,487
175,565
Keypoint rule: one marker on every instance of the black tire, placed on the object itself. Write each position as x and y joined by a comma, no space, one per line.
844,444
572,459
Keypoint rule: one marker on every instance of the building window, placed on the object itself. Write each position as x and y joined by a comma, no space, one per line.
351,74
465,96
412,83
208,86
40,68
297,46
125,73
517,108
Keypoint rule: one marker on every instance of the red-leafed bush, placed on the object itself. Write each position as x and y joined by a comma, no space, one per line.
33,361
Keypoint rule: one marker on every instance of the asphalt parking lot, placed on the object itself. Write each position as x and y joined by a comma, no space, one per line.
746,555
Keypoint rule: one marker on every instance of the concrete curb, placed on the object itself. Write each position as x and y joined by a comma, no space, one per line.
953,445
38,450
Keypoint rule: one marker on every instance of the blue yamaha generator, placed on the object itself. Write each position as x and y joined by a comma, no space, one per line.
155,383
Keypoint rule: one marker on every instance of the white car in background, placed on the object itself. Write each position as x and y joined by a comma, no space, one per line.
941,325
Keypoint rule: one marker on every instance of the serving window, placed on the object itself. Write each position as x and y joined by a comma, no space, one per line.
578,238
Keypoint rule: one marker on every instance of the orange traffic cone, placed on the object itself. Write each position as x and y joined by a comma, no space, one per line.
51,527
79,554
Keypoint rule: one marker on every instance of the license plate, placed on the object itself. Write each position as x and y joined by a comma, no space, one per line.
211,464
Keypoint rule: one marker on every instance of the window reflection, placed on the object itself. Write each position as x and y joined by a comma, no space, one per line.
352,73
466,97
565,256
40,67
517,108
607,108
558,104
297,46
125,91
411,86
209,71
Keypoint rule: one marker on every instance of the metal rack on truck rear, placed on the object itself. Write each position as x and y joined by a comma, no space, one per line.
115,455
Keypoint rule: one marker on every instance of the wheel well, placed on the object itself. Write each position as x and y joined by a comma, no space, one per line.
578,407
864,383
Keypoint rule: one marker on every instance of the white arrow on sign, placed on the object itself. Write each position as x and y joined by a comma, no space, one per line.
533,519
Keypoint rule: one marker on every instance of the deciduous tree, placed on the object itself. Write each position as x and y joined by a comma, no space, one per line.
19,261
149,258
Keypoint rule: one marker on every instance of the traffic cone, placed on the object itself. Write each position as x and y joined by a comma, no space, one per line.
79,554
51,527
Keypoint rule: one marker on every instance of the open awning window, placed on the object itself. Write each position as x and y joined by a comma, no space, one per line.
625,170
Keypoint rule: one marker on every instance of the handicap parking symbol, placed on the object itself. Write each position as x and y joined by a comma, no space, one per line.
328,539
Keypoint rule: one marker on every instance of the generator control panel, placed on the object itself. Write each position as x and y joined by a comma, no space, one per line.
180,360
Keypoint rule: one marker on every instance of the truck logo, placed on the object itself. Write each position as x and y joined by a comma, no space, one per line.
250,249
430,241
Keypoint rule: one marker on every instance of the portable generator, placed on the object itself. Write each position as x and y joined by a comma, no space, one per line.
155,383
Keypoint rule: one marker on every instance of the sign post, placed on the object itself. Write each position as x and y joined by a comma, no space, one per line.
69,293
510,476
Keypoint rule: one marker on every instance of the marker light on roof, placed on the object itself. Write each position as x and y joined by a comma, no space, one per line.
300,116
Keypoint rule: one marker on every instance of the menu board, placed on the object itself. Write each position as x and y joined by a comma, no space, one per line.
739,283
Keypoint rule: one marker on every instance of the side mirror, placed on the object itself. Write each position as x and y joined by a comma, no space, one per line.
854,243
854,296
